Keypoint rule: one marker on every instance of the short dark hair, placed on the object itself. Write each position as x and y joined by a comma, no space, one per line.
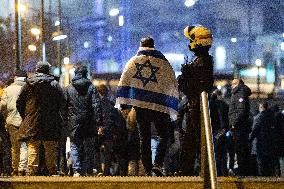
42,68
147,42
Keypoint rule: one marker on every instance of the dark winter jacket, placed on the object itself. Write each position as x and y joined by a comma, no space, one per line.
2,128
84,111
196,78
39,105
219,117
263,130
110,115
239,108
279,134
119,135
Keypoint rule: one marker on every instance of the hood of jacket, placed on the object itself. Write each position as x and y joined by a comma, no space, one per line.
40,79
242,89
81,83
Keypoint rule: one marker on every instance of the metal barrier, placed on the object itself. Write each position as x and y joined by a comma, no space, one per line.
209,156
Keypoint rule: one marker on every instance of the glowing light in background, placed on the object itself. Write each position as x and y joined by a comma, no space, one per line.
66,60
233,40
220,55
114,12
189,3
121,20
258,62
57,23
282,46
32,47
109,38
86,44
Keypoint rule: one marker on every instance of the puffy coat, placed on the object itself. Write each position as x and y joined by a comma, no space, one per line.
83,108
39,105
8,102
239,108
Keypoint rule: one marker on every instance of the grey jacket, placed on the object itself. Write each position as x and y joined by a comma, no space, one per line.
8,102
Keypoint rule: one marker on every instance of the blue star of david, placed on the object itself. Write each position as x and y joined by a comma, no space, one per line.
145,80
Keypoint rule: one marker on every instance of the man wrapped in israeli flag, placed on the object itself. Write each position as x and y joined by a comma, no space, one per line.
148,84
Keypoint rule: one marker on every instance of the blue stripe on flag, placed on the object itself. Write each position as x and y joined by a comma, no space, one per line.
154,53
147,96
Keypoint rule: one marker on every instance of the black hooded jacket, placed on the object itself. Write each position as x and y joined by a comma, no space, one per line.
39,105
83,108
239,108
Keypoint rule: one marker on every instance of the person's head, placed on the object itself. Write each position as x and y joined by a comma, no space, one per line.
43,68
81,70
217,94
20,73
147,42
262,106
125,109
102,90
200,38
236,82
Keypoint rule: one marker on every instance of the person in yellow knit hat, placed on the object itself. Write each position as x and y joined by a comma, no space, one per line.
196,77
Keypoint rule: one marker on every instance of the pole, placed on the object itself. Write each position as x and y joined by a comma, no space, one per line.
258,82
209,141
249,31
43,32
58,42
18,35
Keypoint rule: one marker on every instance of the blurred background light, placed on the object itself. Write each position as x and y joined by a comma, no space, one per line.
282,46
57,23
35,31
109,38
22,8
121,20
114,12
86,44
220,55
233,40
32,47
258,62
189,3
66,60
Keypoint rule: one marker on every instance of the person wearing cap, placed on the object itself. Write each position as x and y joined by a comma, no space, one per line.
84,114
39,104
13,121
195,78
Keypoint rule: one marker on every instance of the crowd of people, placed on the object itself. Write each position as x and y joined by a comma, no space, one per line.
153,128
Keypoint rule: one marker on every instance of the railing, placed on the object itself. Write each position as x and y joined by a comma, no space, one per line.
207,149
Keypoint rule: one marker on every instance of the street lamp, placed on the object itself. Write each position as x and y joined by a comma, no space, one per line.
32,47
114,12
189,3
19,8
258,63
35,31
58,35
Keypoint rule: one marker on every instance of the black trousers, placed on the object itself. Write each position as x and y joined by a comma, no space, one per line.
243,152
161,121
190,144
265,165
